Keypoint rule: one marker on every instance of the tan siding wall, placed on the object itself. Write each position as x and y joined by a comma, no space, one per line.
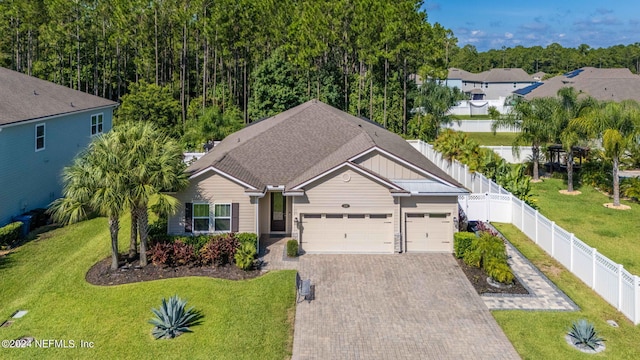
327,195
386,167
213,188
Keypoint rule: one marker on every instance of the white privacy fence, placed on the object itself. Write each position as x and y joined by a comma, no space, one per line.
490,202
476,126
506,152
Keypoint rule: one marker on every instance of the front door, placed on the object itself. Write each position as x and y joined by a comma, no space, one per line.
278,212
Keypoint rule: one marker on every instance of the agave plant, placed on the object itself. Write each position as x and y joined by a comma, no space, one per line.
172,319
583,333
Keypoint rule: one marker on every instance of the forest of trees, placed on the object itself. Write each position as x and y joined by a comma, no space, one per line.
250,57
552,59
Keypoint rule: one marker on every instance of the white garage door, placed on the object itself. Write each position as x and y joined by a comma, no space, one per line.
429,233
347,233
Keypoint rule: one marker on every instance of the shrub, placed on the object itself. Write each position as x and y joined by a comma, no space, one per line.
219,250
246,237
245,254
292,248
582,333
161,253
488,252
182,253
172,319
461,242
10,233
198,242
499,270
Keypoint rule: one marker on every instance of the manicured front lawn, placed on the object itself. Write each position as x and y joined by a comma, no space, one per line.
540,334
613,232
250,319
491,139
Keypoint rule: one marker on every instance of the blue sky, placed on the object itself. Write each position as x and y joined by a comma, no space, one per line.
494,24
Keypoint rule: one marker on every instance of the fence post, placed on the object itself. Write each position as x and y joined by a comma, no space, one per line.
636,300
522,215
593,268
536,226
487,202
571,252
466,174
620,267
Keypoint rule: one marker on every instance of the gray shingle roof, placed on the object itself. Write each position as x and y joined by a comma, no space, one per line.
24,97
499,75
303,142
601,84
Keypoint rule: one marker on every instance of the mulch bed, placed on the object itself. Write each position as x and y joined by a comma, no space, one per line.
132,272
478,278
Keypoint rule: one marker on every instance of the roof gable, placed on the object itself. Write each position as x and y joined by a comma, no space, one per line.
25,98
301,143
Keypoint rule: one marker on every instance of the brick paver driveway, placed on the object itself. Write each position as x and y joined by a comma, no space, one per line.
408,306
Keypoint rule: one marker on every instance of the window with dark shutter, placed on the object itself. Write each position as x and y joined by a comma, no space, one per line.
235,217
188,217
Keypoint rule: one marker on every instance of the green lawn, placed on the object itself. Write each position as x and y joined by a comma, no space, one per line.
613,232
491,139
250,319
540,334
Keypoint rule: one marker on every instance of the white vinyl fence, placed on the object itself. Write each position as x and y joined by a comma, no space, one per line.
476,126
490,202
506,152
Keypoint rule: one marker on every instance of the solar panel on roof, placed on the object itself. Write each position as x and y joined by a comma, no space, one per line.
524,91
574,73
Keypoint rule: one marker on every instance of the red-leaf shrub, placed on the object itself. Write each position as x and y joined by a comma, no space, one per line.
161,253
219,250
182,253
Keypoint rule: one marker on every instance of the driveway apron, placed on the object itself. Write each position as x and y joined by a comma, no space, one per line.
408,306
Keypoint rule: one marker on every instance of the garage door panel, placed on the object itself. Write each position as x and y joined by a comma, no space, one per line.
348,233
428,232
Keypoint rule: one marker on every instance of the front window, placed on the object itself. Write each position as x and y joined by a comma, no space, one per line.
201,217
96,124
222,217
40,137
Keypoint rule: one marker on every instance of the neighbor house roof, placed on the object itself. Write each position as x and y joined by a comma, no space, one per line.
24,98
302,143
601,84
500,75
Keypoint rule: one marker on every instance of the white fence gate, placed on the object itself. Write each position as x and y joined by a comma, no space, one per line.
490,202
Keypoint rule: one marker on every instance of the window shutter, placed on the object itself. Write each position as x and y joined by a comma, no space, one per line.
235,217
188,217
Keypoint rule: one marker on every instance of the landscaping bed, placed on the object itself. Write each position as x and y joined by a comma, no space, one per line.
478,278
132,272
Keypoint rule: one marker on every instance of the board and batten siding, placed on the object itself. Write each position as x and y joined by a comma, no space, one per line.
328,194
214,189
31,179
387,167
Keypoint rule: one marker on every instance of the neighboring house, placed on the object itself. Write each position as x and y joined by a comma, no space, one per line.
335,182
493,84
42,128
487,89
602,84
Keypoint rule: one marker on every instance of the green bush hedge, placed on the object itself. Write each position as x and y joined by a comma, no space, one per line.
292,248
489,253
461,242
10,233
246,237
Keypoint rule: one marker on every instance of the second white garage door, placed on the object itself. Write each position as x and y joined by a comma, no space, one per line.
347,233
429,232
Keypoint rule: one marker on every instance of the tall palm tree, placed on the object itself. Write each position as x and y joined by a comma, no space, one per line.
153,163
617,125
94,182
567,131
532,119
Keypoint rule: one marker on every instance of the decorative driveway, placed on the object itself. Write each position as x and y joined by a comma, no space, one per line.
402,306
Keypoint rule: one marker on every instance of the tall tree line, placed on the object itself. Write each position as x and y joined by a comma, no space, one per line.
552,59
357,55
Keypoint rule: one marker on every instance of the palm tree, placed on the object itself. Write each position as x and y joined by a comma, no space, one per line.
617,125
567,130
533,121
94,182
153,163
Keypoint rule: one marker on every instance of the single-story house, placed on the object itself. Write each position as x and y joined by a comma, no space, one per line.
334,182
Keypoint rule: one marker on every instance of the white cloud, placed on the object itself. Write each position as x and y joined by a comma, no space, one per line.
508,35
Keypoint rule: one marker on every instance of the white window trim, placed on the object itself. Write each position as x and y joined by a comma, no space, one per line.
230,217
44,137
91,124
193,218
